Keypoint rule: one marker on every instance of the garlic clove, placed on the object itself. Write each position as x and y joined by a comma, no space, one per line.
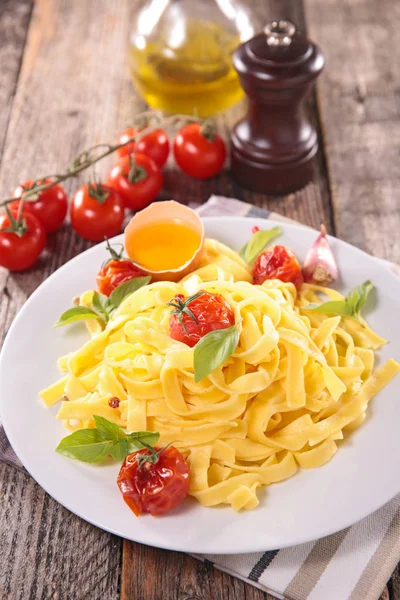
320,265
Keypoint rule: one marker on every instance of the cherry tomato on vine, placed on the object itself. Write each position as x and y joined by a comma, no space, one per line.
50,208
154,481
199,151
138,180
155,145
21,240
115,271
96,212
278,262
194,317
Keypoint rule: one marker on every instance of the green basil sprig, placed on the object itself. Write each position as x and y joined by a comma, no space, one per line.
103,306
257,243
349,307
214,349
94,445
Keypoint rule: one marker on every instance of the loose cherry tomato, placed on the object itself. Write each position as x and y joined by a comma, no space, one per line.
196,316
96,212
277,262
155,145
154,481
22,243
199,151
50,208
138,180
115,271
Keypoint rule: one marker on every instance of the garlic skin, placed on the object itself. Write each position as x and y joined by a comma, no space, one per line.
320,265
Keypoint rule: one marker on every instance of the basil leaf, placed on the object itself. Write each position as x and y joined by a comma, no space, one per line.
242,251
357,297
147,437
86,445
333,307
213,349
77,313
258,242
100,302
107,429
349,307
120,450
93,445
127,288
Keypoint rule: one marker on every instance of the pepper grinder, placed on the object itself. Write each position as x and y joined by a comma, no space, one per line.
273,147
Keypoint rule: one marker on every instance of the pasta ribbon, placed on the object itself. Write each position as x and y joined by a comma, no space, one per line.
297,383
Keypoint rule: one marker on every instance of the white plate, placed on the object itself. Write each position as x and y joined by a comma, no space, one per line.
361,477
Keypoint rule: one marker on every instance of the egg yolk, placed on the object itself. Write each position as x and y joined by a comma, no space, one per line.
163,246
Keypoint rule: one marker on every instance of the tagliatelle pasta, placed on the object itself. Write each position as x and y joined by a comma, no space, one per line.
297,382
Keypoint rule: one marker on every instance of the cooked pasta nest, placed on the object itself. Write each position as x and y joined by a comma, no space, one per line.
297,383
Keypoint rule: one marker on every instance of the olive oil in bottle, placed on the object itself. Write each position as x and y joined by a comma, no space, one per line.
181,57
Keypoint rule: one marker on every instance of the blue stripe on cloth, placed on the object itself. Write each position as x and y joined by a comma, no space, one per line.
262,564
258,212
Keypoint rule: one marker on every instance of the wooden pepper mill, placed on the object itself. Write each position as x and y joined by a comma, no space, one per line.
273,147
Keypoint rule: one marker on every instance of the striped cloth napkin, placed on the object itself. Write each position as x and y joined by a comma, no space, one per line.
353,564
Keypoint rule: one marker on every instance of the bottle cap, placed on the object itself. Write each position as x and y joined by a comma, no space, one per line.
281,52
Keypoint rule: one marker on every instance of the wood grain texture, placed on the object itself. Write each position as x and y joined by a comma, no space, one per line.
47,552
87,99
359,106
14,20
68,96
359,100
73,91
160,575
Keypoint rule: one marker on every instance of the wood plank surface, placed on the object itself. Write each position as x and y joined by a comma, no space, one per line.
14,21
359,100
73,90
67,97
359,107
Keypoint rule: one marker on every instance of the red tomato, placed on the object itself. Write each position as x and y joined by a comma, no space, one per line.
155,145
157,487
19,251
198,152
208,312
115,272
278,262
96,213
138,182
50,208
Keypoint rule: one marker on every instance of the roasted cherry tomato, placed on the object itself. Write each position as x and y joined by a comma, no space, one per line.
50,208
155,145
154,481
277,262
138,180
199,151
115,271
192,318
96,212
22,243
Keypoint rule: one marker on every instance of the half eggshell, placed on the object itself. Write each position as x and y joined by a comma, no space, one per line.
162,212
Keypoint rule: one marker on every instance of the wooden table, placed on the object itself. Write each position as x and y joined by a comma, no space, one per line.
64,86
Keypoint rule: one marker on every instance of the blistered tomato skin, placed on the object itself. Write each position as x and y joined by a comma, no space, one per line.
278,262
211,312
114,273
154,488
